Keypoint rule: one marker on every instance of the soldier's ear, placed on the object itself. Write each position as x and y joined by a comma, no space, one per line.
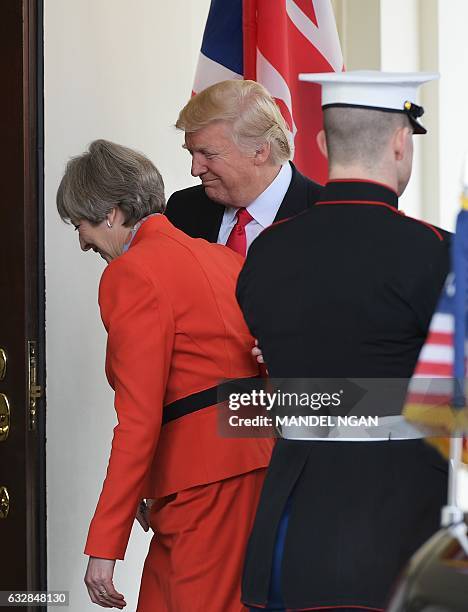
322,143
400,142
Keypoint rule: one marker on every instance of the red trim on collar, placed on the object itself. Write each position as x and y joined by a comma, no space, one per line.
276,223
373,202
354,180
436,232
394,210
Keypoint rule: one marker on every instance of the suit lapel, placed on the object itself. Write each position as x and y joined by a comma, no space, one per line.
296,196
206,217
294,202
215,221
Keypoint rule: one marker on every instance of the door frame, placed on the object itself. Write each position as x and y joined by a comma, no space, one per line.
24,284
33,88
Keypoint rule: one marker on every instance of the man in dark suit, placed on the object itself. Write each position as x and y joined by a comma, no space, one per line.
240,147
347,290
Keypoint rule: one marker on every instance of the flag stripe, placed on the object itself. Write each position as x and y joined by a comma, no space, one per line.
437,353
222,40
444,338
210,72
249,30
434,369
442,322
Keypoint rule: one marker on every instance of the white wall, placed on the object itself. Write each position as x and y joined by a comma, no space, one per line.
121,69
116,69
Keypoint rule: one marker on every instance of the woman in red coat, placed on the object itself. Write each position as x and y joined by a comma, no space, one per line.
174,332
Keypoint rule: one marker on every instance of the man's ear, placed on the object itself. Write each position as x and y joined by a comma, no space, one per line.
322,143
262,153
400,142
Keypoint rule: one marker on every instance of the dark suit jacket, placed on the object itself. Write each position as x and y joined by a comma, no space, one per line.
192,211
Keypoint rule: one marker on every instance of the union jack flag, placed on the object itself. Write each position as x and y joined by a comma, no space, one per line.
272,41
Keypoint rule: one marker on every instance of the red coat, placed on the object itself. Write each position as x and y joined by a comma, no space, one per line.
174,328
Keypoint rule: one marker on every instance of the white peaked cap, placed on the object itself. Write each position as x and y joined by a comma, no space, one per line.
387,91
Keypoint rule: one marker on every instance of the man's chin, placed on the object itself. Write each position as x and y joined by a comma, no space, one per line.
214,194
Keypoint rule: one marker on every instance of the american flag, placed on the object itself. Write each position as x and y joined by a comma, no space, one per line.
437,388
272,41
432,382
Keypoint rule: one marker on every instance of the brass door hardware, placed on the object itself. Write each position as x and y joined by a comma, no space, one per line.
4,502
34,390
3,364
4,417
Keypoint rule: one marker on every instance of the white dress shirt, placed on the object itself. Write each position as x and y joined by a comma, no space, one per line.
263,209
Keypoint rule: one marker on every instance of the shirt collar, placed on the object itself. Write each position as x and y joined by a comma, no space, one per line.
359,191
134,231
265,207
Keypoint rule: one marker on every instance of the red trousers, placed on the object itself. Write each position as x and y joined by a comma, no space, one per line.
195,559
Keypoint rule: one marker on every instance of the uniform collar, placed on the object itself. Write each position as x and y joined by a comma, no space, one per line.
359,192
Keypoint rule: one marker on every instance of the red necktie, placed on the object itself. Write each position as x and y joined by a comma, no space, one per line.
237,240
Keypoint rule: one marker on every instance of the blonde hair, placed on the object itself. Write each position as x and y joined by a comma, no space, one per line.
106,176
249,109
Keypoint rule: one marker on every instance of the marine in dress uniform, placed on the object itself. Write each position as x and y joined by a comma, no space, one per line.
346,289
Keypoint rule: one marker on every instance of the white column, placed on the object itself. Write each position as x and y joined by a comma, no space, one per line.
384,35
400,52
453,124
429,49
358,23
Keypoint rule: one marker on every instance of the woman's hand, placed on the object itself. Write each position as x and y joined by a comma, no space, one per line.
98,580
257,353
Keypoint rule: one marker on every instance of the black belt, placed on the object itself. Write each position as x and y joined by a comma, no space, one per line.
201,399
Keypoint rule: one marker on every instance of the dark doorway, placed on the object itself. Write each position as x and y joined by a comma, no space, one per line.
22,381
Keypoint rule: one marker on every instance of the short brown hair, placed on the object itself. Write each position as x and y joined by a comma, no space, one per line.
359,135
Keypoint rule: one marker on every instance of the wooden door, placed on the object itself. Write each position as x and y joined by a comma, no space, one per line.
22,457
